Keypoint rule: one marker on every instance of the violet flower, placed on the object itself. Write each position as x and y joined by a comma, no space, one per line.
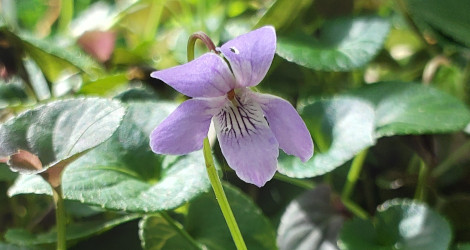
251,127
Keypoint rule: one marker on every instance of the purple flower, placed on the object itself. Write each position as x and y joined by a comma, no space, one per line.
251,127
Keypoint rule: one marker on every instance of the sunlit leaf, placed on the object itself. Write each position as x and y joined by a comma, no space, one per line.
124,174
342,44
341,128
398,224
60,130
104,85
310,222
408,108
345,125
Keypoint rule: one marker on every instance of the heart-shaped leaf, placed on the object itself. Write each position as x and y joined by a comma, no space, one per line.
57,132
341,127
342,45
399,224
124,174
406,108
205,224
310,222
345,125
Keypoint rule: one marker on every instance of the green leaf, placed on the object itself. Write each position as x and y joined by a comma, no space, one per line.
399,224
6,174
342,45
158,233
54,60
104,85
4,246
447,17
280,14
124,174
341,127
60,130
310,221
405,108
75,231
345,125
206,225
11,94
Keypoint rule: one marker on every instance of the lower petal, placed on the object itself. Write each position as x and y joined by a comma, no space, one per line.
287,125
247,142
184,130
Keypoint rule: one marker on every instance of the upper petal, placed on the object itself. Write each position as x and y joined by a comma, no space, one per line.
250,55
287,125
206,76
184,130
247,142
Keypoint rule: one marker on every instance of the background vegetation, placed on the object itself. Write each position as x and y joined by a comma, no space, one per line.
383,87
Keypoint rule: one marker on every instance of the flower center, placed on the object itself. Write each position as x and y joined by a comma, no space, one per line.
231,94
240,117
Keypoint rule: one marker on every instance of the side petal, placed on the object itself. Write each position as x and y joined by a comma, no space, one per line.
184,130
206,76
250,55
247,142
287,125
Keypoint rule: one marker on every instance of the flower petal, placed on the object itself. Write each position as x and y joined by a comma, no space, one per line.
184,130
206,76
247,142
250,55
286,124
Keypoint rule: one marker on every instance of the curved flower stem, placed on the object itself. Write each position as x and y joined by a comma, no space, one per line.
221,198
60,217
192,41
353,176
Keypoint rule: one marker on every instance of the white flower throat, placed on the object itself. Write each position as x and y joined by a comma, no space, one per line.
240,117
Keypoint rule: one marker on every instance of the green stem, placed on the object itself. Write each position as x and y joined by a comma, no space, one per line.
451,160
354,208
156,9
192,42
297,182
353,174
60,217
351,180
66,15
420,193
221,198
178,228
